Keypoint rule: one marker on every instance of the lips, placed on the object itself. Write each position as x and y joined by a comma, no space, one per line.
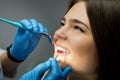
60,55
61,50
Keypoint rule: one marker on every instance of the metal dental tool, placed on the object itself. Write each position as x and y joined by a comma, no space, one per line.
47,72
16,24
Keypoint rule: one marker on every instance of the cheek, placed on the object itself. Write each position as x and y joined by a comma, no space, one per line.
83,45
80,45
83,64
84,56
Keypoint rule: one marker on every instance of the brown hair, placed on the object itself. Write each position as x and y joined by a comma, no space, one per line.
104,17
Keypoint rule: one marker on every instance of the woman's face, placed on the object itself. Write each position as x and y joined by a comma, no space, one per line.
74,42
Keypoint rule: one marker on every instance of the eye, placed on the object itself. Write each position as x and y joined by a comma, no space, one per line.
79,28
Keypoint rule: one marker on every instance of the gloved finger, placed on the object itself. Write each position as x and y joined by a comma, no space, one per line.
35,73
55,66
66,71
41,68
25,35
45,30
27,24
55,70
20,31
41,28
35,25
36,28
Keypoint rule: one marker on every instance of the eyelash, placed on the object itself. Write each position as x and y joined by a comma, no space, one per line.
75,27
78,28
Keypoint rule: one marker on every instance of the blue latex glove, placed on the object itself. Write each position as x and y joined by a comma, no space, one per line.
25,41
55,74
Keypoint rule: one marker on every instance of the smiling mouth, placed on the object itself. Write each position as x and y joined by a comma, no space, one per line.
60,55
61,50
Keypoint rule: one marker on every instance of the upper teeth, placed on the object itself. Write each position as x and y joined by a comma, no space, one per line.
62,49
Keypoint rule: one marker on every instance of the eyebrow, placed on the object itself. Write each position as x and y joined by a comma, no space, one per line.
76,21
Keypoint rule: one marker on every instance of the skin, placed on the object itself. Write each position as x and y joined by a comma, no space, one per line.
75,35
6,62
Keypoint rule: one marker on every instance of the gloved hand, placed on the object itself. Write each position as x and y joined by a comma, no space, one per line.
55,74
25,41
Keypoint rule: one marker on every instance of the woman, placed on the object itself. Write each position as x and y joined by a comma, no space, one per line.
88,41
98,59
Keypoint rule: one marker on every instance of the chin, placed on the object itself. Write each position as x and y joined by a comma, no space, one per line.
62,65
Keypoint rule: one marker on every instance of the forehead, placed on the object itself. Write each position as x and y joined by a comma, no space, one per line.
78,11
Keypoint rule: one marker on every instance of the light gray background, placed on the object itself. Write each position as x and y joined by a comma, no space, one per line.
48,12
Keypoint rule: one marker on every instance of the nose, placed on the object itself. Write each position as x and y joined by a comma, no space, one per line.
60,34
